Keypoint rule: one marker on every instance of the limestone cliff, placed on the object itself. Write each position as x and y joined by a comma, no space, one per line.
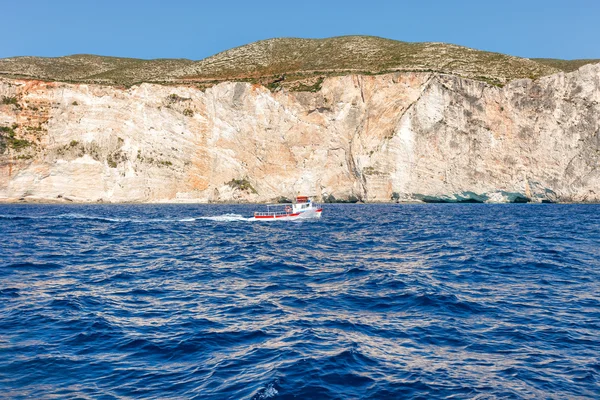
405,136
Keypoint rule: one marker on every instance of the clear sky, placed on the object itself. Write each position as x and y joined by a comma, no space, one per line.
196,29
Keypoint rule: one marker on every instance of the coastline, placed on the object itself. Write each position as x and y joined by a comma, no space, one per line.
170,202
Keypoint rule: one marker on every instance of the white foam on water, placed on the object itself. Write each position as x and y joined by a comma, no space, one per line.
63,216
227,218
96,218
83,216
269,392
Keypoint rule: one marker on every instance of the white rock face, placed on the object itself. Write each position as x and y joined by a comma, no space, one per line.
405,136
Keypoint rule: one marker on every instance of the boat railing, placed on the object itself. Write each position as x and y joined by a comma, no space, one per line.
270,213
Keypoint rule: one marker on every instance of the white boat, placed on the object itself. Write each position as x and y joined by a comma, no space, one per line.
302,208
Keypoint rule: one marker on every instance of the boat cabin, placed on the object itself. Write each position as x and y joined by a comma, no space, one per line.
302,203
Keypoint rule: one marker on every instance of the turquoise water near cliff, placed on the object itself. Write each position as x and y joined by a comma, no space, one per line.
371,301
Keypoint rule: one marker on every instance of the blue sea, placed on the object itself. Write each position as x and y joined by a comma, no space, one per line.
428,301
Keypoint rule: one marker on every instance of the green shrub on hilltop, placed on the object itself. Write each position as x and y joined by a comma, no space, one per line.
310,88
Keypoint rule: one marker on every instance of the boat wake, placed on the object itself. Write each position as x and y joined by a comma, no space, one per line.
77,216
64,216
226,218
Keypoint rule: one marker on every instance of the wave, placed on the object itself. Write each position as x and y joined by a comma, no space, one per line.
63,216
76,216
40,266
267,392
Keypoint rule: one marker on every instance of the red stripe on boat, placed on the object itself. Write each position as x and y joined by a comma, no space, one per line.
277,216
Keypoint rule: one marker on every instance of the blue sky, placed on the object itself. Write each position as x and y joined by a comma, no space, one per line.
197,29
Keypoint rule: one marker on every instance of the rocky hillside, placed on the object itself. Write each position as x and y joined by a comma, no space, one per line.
565,65
401,136
90,69
294,63
359,54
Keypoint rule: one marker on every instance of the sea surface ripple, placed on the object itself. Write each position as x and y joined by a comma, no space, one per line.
371,301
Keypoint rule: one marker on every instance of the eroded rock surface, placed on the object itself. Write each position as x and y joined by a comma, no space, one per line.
401,136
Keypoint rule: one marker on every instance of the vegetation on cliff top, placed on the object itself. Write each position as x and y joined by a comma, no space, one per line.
565,65
90,69
295,59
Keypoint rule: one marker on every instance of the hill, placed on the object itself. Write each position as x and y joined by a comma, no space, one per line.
90,68
362,54
299,61
565,65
